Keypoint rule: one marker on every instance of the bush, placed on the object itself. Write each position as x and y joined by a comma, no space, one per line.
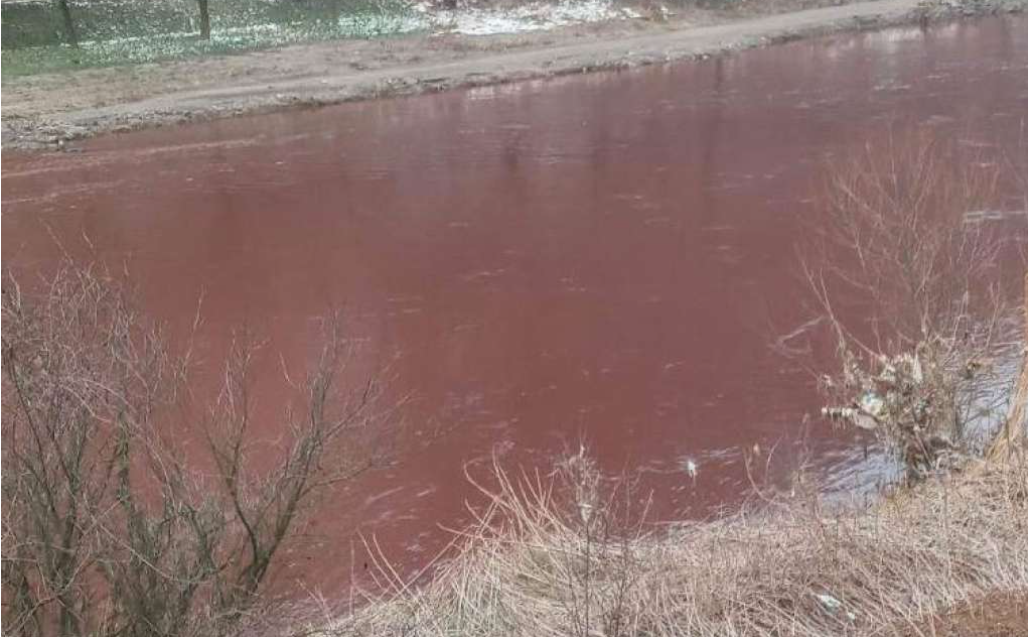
911,243
107,530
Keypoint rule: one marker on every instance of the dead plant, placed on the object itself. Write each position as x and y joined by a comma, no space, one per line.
909,245
107,529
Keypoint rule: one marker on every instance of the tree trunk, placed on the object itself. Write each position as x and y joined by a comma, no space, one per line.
69,25
205,19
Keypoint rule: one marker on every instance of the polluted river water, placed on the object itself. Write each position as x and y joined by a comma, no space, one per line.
605,258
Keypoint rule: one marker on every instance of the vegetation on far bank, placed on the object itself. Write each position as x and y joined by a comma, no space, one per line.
46,37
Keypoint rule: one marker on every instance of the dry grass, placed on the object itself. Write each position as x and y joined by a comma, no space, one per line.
537,564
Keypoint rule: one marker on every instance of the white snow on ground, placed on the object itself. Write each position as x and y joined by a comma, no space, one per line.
533,16
421,16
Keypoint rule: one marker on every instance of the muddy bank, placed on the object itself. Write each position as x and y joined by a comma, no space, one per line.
48,110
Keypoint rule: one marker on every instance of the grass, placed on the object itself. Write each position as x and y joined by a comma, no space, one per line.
173,46
144,40
546,560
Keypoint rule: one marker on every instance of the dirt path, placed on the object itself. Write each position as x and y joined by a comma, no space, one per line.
48,109
994,615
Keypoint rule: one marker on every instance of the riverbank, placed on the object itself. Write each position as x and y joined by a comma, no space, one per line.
948,557
49,110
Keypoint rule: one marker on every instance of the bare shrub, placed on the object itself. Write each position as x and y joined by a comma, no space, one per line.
600,561
107,530
908,243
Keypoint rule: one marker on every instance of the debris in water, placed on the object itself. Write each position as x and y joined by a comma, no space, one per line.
872,403
833,605
856,417
691,469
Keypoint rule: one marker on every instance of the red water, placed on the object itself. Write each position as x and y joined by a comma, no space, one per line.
604,257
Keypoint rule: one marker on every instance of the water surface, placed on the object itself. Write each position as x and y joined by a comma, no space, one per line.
605,257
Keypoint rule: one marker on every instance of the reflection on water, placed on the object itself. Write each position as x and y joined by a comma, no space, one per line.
606,256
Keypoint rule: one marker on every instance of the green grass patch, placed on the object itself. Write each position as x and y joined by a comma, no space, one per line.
109,37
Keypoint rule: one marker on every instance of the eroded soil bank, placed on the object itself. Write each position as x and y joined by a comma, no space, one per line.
48,110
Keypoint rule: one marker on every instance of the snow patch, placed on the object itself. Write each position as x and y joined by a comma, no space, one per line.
533,16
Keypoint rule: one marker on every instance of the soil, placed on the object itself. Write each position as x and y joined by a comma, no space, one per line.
996,615
50,109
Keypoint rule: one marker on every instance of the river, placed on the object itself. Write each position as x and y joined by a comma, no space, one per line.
604,258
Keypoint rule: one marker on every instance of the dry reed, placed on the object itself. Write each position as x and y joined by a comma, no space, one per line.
793,568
